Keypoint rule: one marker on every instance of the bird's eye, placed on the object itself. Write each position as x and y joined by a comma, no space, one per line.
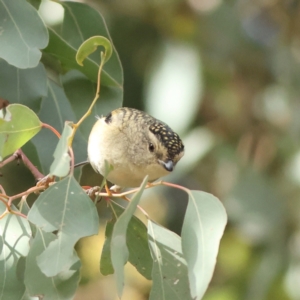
151,147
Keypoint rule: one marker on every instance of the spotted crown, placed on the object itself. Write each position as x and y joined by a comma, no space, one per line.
167,137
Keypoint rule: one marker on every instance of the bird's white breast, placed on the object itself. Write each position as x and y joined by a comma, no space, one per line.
107,142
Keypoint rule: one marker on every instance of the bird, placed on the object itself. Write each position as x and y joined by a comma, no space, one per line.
135,145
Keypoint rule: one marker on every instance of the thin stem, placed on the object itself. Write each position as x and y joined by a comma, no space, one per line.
6,212
8,160
44,125
89,111
72,160
4,196
139,207
114,212
29,191
4,201
2,190
29,165
83,163
176,186
121,195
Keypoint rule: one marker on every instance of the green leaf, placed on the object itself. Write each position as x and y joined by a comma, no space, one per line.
23,33
24,208
55,110
66,54
204,223
18,127
76,30
169,273
62,286
137,243
90,45
14,244
61,164
24,86
119,250
64,207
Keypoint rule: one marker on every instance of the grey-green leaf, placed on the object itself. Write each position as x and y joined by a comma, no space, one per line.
66,55
76,30
24,86
119,250
64,207
14,244
23,33
62,286
204,223
169,273
137,243
61,164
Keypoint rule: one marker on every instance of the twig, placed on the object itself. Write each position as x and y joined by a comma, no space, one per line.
29,191
19,154
139,207
121,195
44,125
75,126
89,111
149,185
2,190
4,196
8,160
32,168
71,153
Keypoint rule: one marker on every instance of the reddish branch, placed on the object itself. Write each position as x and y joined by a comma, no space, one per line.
19,154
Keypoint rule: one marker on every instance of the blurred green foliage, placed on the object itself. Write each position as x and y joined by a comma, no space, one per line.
250,65
249,59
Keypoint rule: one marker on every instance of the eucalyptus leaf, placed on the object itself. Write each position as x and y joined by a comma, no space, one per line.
169,273
62,286
90,45
65,207
76,30
14,244
24,86
23,33
66,55
19,125
119,250
61,164
137,243
204,223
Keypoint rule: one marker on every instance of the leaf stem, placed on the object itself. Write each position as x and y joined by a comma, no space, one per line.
8,160
2,190
121,195
3,196
45,125
19,154
71,152
176,186
89,111
29,191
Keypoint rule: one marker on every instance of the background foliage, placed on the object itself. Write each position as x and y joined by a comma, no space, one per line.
240,113
225,75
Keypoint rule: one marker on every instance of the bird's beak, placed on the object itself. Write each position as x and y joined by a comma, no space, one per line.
168,165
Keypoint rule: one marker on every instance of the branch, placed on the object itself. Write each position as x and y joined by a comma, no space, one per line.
19,154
